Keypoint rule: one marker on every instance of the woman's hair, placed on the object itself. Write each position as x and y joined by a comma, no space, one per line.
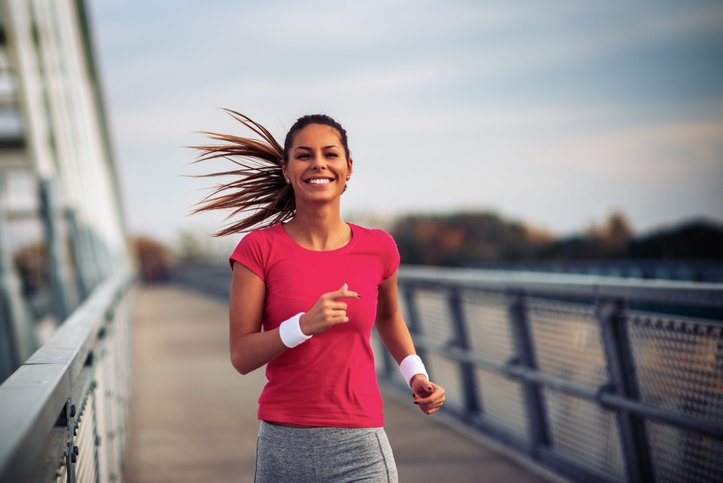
304,121
259,187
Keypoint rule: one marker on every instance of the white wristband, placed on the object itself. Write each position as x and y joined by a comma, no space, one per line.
290,331
411,365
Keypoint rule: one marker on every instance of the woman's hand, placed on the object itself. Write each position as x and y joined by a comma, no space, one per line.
427,394
327,311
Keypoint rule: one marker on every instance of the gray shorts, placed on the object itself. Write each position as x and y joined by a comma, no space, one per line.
285,454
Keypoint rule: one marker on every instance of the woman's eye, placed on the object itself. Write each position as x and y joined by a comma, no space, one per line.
332,155
302,156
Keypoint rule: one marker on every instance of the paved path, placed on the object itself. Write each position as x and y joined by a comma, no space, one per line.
193,417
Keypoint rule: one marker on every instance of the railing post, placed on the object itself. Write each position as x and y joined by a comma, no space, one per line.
58,274
611,314
524,349
80,254
18,339
471,400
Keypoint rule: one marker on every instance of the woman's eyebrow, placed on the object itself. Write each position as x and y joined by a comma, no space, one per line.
323,147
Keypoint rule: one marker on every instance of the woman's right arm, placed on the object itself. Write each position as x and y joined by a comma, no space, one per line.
251,347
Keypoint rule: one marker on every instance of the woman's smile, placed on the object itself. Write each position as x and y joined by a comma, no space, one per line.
319,181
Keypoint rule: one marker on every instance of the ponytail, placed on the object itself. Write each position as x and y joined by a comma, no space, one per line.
259,187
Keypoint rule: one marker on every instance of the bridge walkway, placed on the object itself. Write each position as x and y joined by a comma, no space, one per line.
193,417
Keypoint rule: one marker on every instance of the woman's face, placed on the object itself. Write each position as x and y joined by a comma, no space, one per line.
317,165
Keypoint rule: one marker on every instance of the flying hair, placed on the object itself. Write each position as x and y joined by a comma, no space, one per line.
259,193
258,187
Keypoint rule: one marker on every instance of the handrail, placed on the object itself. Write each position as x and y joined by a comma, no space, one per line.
644,290
37,397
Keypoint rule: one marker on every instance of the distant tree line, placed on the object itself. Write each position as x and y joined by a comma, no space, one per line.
458,239
464,239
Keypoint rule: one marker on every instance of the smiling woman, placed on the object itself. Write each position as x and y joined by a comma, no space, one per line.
321,164
306,291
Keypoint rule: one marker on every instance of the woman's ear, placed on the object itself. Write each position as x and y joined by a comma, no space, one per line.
349,165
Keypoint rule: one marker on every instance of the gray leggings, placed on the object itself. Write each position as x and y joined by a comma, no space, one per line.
285,454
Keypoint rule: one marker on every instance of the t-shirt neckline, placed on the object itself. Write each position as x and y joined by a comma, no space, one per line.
348,245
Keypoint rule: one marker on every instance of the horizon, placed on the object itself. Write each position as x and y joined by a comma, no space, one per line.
228,242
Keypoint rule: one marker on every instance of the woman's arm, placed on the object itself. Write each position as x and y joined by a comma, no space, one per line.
390,323
398,341
251,348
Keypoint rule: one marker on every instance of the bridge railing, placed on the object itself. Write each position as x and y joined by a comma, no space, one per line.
599,379
64,412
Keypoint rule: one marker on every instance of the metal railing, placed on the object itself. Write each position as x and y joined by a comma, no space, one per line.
599,379
65,410
677,269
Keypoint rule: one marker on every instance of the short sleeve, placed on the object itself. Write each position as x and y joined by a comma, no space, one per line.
250,253
391,255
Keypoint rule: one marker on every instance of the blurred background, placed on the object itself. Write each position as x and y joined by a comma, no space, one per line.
484,130
555,137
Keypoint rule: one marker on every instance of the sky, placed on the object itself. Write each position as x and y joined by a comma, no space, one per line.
551,113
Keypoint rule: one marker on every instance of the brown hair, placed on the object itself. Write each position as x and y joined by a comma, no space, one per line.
259,187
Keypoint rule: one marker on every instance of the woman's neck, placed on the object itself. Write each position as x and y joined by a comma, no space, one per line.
319,229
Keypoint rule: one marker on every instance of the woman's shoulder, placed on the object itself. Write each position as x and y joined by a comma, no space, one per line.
256,246
373,234
260,237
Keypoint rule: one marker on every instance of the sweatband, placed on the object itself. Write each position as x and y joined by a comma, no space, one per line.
410,366
290,331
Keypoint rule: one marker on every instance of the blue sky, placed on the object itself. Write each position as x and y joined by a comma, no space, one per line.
553,113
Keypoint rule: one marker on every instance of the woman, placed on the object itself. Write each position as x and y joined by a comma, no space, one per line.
304,297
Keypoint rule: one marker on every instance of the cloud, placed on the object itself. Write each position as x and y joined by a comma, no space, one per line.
445,102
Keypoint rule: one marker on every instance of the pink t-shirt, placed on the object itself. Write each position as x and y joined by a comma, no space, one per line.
330,379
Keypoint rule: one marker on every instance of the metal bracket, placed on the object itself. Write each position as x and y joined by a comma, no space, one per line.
71,450
607,388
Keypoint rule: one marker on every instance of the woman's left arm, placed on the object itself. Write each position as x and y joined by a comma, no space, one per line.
398,341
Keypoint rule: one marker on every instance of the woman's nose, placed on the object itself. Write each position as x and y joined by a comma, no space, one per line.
319,162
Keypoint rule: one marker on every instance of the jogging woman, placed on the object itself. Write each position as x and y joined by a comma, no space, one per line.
307,290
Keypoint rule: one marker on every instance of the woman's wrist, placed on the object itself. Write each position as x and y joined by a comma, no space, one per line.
291,333
411,366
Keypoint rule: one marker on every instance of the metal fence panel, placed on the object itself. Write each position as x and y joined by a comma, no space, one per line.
503,402
434,317
446,372
567,342
583,431
560,368
679,362
85,442
487,323
684,456
434,321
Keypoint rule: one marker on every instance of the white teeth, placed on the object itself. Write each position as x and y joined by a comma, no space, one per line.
319,181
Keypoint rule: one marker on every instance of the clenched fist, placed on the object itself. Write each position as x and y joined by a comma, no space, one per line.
327,311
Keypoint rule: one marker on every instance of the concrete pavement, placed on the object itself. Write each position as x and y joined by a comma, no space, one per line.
193,417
